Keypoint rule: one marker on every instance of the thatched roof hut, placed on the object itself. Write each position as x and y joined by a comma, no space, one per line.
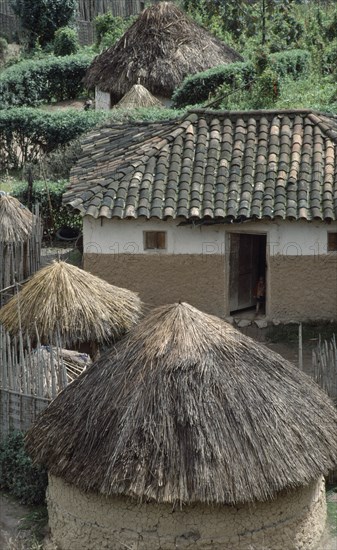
186,410
62,299
16,221
20,242
138,97
161,47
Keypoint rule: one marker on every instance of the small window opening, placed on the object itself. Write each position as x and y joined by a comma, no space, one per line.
332,242
154,240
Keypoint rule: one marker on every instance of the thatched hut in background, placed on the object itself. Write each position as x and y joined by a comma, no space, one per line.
138,97
188,415
20,243
81,310
161,48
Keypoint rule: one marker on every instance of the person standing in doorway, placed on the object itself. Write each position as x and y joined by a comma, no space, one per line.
260,293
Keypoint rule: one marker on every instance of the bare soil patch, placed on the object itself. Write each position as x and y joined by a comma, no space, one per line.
66,104
11,514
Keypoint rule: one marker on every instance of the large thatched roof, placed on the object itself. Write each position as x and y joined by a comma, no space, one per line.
187,409
16,221
161,47
64,299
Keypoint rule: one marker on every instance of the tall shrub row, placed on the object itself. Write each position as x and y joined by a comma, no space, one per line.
33,82
199,87
27,133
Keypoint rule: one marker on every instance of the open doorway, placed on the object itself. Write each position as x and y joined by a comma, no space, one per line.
247,263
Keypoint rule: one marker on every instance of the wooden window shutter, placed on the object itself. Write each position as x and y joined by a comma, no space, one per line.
154,240
332,242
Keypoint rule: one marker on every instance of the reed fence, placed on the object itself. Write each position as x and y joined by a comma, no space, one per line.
30,377
324,371
324,366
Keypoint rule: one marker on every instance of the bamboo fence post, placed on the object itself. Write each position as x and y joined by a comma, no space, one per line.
300,347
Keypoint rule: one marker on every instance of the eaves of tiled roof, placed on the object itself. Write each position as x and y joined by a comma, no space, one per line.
211,165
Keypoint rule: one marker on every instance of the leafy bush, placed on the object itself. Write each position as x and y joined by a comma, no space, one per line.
198,88
3,48
265,90
33,82
110,28
285,30
66,41
42,18
329,58
290,63
18,475
57,164
26,134
49,196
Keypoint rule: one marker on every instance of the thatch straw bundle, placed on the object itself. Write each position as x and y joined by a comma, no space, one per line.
187,409
16,221
161,47
64,300
138,97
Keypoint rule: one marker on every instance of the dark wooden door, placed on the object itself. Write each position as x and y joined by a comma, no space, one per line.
244,270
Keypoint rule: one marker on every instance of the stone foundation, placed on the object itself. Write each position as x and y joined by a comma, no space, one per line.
88,521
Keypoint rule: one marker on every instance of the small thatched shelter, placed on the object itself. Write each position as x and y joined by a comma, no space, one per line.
161,48
138,97
187,415
20,242
82,310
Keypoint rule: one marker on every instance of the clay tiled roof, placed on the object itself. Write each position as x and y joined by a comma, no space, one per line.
216,165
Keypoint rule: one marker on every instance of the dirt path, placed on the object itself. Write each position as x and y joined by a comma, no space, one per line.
11,513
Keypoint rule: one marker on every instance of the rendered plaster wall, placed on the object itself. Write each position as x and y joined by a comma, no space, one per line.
164,279
102,100
303,287
284,238
84,521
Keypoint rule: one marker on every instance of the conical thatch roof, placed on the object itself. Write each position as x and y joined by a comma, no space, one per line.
138,97
16,221
81,307
161,47
187,409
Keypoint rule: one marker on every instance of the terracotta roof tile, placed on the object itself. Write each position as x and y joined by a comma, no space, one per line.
211,164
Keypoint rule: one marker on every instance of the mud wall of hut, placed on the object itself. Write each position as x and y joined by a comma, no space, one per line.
164,280
195,264
82,521
303,287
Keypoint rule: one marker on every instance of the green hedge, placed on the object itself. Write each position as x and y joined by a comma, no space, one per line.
27,133
18,475
33,82
197,88
290,63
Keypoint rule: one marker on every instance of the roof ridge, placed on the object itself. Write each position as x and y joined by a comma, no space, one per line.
254,112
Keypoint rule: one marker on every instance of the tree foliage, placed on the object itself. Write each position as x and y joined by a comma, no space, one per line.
110,28
66,41
41,18
27,134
